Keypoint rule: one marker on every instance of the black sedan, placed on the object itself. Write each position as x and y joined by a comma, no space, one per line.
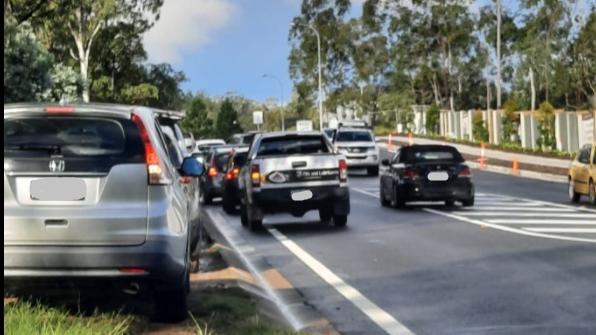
426,173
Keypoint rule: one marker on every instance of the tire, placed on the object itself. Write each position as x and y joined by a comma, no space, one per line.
449,203
253,224
227,205
243,216
384,201
573,196
325,216
592,193
340,220
206,199
373,171
171,305
468,202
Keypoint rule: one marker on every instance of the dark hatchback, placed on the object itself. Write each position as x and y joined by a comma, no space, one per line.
231,192
426,173
212,182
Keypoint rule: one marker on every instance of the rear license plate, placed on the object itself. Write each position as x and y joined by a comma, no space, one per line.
58,189
301,195
438,176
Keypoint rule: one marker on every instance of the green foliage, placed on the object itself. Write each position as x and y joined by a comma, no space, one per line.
546,127
142,94
479,131
27,65
196,119
432,119
227,121
509,120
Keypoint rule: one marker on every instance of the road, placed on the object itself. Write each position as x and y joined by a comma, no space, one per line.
522,261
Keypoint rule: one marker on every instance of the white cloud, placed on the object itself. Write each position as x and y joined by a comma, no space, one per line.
186,25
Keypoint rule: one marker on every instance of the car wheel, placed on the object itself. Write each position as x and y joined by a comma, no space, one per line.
325,216
397,202
468,202
340,220
573,196
171,305
592,194
243,215
227,205
384,201
374,171
449,203
253,224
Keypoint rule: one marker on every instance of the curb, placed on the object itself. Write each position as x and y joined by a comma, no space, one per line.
504,170
280,300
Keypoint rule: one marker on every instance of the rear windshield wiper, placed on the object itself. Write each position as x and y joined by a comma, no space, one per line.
52,149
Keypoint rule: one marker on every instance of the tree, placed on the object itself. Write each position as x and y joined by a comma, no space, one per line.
196,119
27,65
82,21
432,119
227,120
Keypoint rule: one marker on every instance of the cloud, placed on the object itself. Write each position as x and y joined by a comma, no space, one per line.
186,26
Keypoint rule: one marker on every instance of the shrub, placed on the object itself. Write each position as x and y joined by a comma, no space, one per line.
432,119
546,127
479,130
509,120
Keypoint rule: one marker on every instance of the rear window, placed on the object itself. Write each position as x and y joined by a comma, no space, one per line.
292,145
240,159
221,160
353,136
67,136
421,155
248,139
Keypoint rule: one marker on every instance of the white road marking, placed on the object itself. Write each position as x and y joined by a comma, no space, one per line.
493,225
285,309
561,230
383,319
543,221
547,215
515,208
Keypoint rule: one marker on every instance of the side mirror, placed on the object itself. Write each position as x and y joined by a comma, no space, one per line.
385,162
191,168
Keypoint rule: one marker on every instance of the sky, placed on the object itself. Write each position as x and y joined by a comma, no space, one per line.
227,45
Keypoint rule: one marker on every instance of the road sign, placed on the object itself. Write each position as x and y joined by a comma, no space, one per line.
257,117
304,125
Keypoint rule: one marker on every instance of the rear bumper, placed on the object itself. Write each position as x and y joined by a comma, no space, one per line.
334,198
156,258
371,160
462,189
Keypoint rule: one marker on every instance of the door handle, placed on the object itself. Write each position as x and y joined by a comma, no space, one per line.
298,164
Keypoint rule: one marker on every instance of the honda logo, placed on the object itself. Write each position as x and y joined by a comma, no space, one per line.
57,165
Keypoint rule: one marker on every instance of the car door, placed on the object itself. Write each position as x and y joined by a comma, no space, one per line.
387,177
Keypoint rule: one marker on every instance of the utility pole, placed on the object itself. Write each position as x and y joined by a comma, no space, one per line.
498,81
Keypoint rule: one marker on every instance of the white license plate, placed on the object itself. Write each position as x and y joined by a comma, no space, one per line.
58,189
438,176
301,195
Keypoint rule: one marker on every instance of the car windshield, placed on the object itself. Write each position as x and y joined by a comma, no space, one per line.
292,145
240,159
353,136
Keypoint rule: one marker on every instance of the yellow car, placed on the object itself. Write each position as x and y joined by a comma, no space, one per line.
582,174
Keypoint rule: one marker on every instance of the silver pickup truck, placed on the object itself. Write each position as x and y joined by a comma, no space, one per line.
293,172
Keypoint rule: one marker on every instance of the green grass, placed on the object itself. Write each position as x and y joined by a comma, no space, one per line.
29,318
230,311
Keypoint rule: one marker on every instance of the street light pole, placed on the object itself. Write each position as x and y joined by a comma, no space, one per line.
281,99
320,73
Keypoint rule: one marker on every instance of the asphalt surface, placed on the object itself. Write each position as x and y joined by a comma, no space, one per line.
441,270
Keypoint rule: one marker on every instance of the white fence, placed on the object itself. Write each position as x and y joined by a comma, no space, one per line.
572,129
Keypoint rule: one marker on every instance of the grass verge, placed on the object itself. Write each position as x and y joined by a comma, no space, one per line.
30,318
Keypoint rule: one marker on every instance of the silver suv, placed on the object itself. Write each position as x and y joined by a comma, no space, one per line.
90,193
359,147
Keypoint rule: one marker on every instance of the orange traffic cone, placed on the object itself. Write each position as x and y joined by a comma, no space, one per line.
515,167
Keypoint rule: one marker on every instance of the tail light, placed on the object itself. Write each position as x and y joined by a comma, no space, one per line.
59,109
465,172
212,171
343,170
155,169
409,173
255,175
232,174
